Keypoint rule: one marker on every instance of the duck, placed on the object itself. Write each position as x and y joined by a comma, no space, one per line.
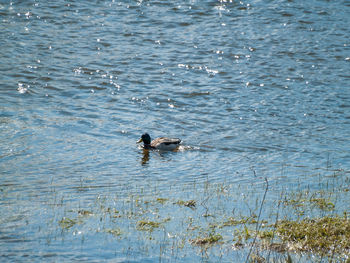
161,143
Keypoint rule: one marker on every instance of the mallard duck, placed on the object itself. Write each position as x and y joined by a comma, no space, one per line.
162,143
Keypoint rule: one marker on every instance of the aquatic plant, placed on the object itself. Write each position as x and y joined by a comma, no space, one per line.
115,231
209,239
224,216
323,235
189,203
67,223
147,225
162,200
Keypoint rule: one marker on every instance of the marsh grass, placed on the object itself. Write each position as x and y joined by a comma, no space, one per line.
66,223
147,225
115,232
232,221
325,235
263,222
209,239
189,203
306,199
162,200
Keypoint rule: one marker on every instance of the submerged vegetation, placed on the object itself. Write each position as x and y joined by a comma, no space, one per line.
261,223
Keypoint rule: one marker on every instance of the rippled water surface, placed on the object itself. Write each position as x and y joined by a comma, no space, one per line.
255,89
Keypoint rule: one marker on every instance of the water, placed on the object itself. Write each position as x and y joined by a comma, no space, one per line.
255,89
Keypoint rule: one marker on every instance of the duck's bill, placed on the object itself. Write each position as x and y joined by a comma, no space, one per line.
139,141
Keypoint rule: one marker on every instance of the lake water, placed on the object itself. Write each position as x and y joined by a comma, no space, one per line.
256,90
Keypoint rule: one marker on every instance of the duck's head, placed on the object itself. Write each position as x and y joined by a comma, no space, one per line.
145,138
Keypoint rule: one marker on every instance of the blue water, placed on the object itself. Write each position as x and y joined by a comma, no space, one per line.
255,89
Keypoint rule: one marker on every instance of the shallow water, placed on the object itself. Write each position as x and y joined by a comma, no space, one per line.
255,89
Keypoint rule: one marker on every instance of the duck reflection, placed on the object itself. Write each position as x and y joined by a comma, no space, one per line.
164,155
145,157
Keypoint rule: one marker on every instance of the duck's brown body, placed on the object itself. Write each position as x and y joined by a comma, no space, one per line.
162,143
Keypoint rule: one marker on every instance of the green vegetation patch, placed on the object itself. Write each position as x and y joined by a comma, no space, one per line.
317,200
231,221
115,231
210,239
67,223
85,213
189,203
323,204
147,225
321,235
162,200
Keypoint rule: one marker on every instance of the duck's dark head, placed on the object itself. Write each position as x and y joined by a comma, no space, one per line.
145,138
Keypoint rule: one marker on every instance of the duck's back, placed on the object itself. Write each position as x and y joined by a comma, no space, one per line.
164,143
